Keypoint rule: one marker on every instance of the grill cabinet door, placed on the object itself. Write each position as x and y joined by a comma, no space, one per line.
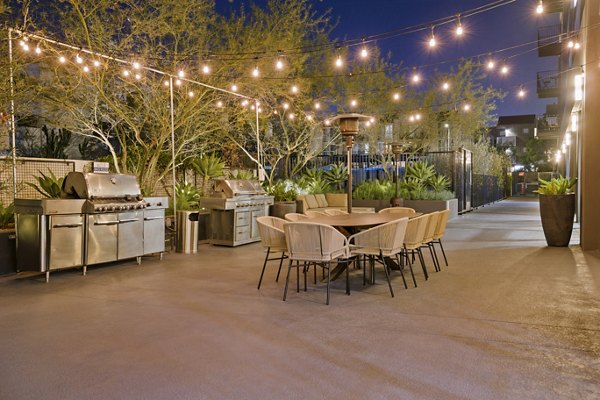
131,235
102,238
154,231
65,241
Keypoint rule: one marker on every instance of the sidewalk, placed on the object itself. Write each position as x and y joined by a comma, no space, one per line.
509,319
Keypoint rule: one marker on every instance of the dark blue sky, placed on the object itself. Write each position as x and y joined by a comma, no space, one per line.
507,26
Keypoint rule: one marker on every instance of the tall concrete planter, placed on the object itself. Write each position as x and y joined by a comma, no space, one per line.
427,206
557,213
280,208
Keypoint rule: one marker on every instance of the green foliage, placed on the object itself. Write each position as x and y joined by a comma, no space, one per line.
373,190
420,170
439,183
57,141
414,184
241,174
48,185
208,166
313,181
428,195
337,175
555,186
7,215
283,190
187,196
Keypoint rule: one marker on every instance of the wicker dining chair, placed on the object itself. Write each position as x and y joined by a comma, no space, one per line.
440,230
379,243
396,210
413,239
434,217
313,243
272,238
295,217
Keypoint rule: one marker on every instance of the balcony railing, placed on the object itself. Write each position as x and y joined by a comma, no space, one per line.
549,43
547,84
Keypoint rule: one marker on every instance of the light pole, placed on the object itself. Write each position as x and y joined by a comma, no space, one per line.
349,128
447,126
397,149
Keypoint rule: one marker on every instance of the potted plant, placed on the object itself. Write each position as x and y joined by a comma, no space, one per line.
284,193
557,209
375,194
7,239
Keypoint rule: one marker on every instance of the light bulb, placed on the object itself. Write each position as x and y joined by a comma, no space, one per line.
285,106
576,46
181,73
275,112
25,47
540,7
291,116
219,104
252,107
504,70
418,117
372,120
467,107
138,76
309,117
364,53
368,123
86,69
446,86
317,106
245,103
96,63
411,118
136,65
294,89
190,94
521,93
353,103
491,65
78,59
38,50
432,42
178,82
206,69
459,30
166,83
279,64
255,72
338,62
234,88
327,122
62,59
396,96
416,78
126,73
570,44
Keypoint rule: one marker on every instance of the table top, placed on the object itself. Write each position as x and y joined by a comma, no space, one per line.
362,219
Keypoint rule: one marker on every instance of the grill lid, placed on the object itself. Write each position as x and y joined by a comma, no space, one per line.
230,188
102,186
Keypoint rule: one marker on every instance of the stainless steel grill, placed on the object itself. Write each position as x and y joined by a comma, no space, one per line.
106,219
234,206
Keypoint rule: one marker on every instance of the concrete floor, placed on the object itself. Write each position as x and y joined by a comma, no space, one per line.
509,319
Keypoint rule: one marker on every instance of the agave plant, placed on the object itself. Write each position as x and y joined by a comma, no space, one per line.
555,186
318,186
7,215
420,170
49,185
241,174
187,196
438,183
208,166
337,175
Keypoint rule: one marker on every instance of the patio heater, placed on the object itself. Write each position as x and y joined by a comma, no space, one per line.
397,148
349,128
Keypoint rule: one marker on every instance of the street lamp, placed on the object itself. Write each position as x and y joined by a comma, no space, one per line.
349,128
447,126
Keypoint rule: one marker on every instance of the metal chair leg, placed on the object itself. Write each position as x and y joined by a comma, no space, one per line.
287,280
280,264
405,253
328,279
264,266
387,275
422,261
443,252
401,272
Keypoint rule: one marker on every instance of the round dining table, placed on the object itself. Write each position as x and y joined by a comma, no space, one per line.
362,220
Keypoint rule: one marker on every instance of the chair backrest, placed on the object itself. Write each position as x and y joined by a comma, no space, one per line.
314,214
415,231
388,237
441,226
309,241
335,211
294,217
271,232
396,210
434,217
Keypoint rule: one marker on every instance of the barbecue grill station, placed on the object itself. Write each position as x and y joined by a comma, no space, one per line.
104,219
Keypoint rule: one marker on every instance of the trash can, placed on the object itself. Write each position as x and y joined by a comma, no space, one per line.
187,232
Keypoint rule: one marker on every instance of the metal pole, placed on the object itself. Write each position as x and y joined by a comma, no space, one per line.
13,129
173,151
261,176
448,138
349,161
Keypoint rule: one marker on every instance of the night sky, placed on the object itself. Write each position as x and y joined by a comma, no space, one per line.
507,26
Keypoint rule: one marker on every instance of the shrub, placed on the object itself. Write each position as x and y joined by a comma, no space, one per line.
373,190
7,215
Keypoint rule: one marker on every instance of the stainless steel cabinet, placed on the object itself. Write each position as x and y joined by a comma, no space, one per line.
102,238
154,231
65,241
131,232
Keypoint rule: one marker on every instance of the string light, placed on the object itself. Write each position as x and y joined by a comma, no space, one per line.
62,59
540,7
445,86
285,106
467,107
255,71
136,65
126,73
279,64
96,63
339,63
416,78
294,89
491,65
181,73
327,122
353,103
190,94
166,83
364,52
78,59
234,88
25,47
521,93
206,69
38,50
459,28
309,117
138,76
432,41
219,104
317,105
178,82
86,69
291,116
244,103
396,96
504,70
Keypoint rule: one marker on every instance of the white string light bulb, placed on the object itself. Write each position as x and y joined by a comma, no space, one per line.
368,123
418,117
540,7
126,73
62,59
491,65
309,117
577,46
295,89
327,122
178,82
396,96
467,107
38,50
285,106
521,93
291,116
416,78
96,63
364,52
446,86
339,62
86,69
190,94
138,77
432,41
255,72
411,118
234,88
353,103
317,105
504,70
219,104
244,103
25,47
181,73
372,120
459,29
570,44
78,59
166,83
206,69
279,64
136,65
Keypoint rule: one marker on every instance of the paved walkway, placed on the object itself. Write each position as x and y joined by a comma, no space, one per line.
509,319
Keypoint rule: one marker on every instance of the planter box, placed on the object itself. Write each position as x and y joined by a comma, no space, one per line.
280,208
427,206
376,204
557,213
8,252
